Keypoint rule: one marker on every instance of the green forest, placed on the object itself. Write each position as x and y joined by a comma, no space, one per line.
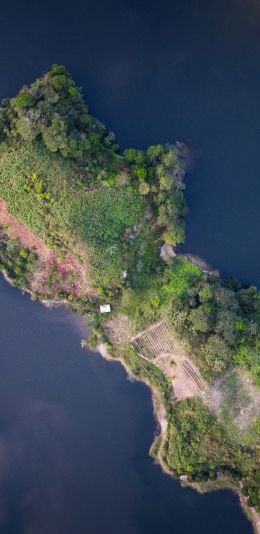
63,175
78,189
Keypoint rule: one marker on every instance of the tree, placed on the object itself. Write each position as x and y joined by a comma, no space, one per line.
134,156
166,182
24,100
170,159
141,173
154,152
174,236
55,135
144,188
26,129
123,178
249,299
61,83
225,325
203,318
217,355
58,69
206,293
226,298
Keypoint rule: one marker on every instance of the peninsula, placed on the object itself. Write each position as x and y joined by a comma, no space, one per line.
85,224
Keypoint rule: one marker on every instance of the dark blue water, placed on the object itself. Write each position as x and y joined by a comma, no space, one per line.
157,72
74,440
74,433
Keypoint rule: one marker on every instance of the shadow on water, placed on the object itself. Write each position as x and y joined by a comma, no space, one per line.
74,440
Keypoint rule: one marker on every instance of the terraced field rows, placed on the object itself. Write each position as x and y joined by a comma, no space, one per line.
157,344
154,341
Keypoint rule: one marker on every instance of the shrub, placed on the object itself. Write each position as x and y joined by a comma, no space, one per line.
144,188
25,100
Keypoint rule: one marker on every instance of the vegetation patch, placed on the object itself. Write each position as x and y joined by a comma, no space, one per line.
16,261
236,401
99,211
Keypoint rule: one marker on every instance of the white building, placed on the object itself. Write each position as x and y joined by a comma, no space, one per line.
105,308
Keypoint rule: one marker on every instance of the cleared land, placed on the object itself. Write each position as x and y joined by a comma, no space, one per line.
234,398
236,401
56,272
158,345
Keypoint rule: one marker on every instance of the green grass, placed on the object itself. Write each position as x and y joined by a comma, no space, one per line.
52,196
180,277
236,398
16,261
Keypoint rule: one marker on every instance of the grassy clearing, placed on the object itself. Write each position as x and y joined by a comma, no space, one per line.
239,406
62,210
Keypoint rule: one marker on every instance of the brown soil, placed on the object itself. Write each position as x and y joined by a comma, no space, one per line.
119,330
245,407
158,345
55,272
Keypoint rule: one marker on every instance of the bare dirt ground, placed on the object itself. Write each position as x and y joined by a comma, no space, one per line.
119,330
158,345
236,393
55,272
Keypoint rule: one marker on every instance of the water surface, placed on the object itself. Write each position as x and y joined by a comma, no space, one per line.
157,72
74,440
74,433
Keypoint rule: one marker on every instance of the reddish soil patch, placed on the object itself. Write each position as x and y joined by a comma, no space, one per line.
55,272
17,230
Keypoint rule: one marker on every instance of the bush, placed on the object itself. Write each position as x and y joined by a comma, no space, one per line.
60,83
174,236
17,261
144,188
24,100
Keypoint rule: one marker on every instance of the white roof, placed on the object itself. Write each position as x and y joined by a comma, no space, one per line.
105,308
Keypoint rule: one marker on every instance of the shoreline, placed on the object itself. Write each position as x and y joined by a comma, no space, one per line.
159,411
49,303
51,188
160,416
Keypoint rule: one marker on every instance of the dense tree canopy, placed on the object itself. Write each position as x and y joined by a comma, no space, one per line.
60,162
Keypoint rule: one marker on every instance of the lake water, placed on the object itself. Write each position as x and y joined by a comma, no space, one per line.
156,72
75,434
74,440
